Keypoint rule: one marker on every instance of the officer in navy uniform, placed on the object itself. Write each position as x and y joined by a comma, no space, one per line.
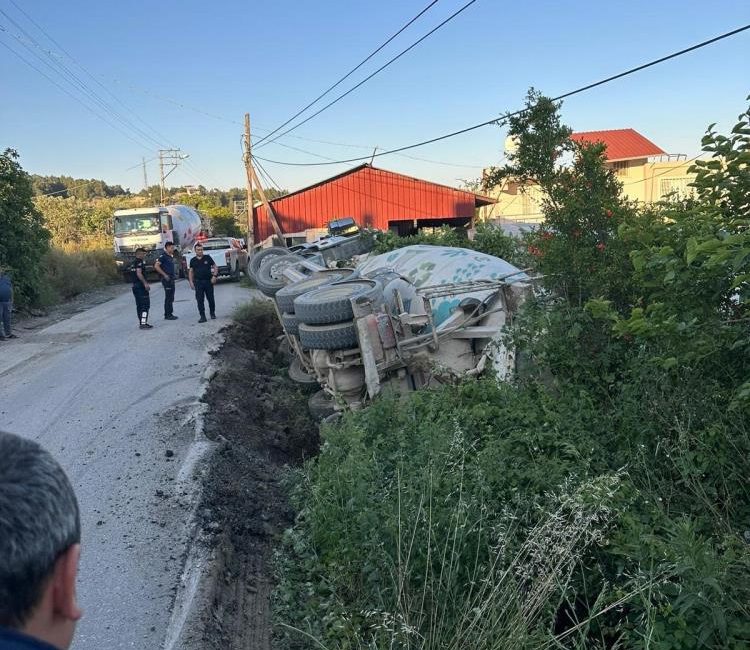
202,277
141,288
165,268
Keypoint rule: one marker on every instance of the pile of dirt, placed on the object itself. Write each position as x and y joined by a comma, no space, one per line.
261,418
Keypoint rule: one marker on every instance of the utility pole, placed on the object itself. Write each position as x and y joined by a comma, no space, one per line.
252,177
170,158
249,183
145,176
267,203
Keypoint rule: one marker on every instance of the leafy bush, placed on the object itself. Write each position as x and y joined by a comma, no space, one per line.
444,236
489,239
600,501
23,240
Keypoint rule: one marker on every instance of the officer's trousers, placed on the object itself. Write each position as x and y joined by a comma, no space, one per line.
168,296
142,303
205,288
6,307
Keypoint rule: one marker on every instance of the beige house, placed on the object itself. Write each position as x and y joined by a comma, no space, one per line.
647,173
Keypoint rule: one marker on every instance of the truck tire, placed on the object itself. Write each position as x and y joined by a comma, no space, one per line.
335,336
331,303
235,275
269,277
286,295
321,405
256,261
299,374
290,323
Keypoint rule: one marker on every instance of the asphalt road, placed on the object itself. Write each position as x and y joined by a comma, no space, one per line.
116,406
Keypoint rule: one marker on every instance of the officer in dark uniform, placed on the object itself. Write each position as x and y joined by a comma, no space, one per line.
202,277
165,268
141,288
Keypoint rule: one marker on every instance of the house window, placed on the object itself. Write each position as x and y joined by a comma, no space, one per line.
679,185
620,167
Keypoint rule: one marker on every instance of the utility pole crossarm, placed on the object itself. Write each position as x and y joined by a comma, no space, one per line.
171,157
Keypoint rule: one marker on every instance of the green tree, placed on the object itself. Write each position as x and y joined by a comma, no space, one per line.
24,239
66,187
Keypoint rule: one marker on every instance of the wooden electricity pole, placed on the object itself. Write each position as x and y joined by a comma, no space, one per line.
252,177
249,184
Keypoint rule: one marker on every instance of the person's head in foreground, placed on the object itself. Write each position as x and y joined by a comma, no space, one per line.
40,535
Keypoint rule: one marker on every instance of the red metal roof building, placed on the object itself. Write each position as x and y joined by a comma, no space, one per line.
622,144
375,198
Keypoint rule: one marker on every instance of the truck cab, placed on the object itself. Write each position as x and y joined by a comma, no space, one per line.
151,228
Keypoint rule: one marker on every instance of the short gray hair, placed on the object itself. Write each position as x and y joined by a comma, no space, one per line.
39,520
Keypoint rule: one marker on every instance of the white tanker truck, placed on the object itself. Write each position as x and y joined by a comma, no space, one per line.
408,319
151,228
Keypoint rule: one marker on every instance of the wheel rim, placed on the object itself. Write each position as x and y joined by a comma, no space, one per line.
275,269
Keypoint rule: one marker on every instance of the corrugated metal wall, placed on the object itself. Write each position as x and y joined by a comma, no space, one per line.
372,196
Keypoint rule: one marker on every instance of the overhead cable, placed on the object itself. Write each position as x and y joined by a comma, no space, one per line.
65,74
501,118
351,72
370,76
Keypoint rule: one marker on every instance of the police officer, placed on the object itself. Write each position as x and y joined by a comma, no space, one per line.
165,268
141,288
202,277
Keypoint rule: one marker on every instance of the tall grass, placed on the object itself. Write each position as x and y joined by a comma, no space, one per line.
72,270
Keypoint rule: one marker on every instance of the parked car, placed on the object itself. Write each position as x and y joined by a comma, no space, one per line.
228,254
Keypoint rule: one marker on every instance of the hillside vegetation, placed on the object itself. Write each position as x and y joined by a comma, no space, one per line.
56,240
599,501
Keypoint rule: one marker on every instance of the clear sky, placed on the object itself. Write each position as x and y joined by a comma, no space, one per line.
227,57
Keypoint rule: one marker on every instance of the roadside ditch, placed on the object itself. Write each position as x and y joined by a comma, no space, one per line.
261,420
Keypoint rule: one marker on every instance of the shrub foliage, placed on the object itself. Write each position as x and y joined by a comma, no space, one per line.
23,238
599,501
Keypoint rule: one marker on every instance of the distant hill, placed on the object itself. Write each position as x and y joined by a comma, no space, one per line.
80,188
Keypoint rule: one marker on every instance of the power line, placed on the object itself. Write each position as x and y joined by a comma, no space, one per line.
370,76
229,120
91,76
58,67
501,118
77,84
268,176
72,96
93,95
351,72
370,147
93,180
141,163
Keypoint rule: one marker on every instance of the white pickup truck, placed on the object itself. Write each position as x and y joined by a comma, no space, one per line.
227,252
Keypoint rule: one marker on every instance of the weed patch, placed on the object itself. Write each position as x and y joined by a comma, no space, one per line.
66,274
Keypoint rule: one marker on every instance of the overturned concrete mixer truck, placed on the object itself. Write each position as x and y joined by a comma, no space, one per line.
414,317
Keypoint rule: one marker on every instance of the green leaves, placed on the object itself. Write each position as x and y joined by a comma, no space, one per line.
23,238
